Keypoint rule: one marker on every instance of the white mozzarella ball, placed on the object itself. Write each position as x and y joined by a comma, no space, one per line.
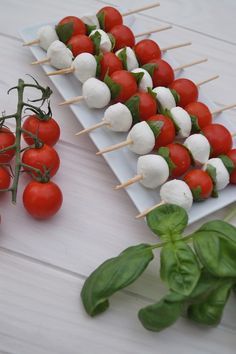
154,170
222,175
96,93
146,80
46,35
131,59
199,147
60,56
85,66
90,20
177,192
142,137
119,117
182,120
105,44
164,97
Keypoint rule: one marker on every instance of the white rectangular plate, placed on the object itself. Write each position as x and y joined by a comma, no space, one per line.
123,162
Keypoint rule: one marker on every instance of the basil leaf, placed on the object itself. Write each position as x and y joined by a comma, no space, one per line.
98,59
112,40
101,19
96,39
215,245
196,192
211,170
113,86
138,76
65,31
165,153
195,125
179,267
228,163
151,92
168,221
160,315
133,106
168,114
90,28
150,68
176,96
155,126
123,57
113,275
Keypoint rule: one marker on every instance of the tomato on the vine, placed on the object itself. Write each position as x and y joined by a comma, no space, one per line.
127,83
123,36
7,138
110,17
167,130
186,89
163,74
219,138
44,158
109,64
48,131
5,178
200,183
146,50
42,200
78,25
201,112
232,155
180,157
80,44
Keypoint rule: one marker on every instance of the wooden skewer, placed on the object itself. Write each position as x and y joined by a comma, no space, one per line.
145,212
180,45
41,61
153,31
233,134
61,71
140,9
217,111
190,64
76,99
115,147
93,127
130,181
34,41
207,80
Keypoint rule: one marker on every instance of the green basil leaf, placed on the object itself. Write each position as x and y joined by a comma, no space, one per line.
196,192
133,105
96,38
195,126
155,126
168,221
176,96
151,92
165,153
211,170
150,68
168,114
98,59
101,19
123,57
113,275
179,267
138,77
215,245
65,31
228,163
90,28
112,40
113,86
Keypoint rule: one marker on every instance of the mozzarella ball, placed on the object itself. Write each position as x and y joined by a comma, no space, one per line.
164,97
222,175
182,120
90,20
85,66
105,44
60,56
119,117
177,192
46,35
199,147
131,59
146,80
143,138
154,169
96,93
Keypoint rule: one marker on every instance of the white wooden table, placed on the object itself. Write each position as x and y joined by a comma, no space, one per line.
43,264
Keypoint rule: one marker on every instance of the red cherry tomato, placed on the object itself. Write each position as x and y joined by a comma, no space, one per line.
5,178
219,138
147,105
47,131
42,158
112,17
167,130
201,112
163,74
7,138
78,25
80,44
42,200
127,83
109,64
179,155
200,184
187,91
146,50
232,155
123,36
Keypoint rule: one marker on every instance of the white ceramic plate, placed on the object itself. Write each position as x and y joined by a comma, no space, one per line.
123,162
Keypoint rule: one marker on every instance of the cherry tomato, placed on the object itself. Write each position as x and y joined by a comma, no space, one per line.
7,138
127,83
179,155
232,155
112,17
163,74
42,200
167,130
219,138
123,36
80,44
42,158
186,89
146,50
5,178
201,112
147,105
48,131
109,64
200,183
78,25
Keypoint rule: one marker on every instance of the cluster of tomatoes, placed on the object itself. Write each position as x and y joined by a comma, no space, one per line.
42,198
